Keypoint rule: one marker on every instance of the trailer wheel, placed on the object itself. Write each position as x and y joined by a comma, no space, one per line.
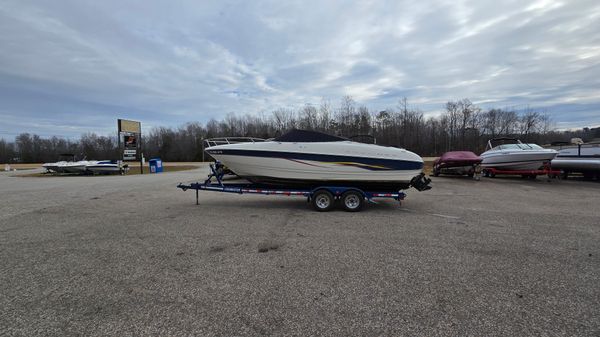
322,200
352,201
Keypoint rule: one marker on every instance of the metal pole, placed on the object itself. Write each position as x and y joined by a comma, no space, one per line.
141,152
119,152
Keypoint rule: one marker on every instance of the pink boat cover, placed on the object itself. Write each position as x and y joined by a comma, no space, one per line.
459,156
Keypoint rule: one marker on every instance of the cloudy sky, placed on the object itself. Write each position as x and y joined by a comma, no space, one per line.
68,67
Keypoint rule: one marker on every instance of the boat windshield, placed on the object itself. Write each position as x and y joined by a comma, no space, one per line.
518,147
307,136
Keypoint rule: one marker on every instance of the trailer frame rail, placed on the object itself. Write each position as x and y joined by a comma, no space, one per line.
351,197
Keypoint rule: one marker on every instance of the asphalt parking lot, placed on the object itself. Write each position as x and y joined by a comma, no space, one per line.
134,256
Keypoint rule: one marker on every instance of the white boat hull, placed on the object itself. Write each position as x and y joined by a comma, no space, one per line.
74,168
55,167
517,160
309,170
50,167
104,169
314,164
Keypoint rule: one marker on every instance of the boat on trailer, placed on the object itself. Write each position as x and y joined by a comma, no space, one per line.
323,168
506,154
456,162
309,159
322,198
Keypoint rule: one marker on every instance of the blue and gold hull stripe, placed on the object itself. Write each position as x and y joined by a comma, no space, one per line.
373,164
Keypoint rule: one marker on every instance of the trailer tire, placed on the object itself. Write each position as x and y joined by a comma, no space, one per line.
322,200
352,201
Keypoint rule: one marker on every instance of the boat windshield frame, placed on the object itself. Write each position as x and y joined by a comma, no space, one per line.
518,146
210,142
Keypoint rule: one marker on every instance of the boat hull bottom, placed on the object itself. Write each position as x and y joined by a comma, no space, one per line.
104,170
380,186
515,166
583,164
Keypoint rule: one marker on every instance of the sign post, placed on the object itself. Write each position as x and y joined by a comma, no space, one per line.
130,135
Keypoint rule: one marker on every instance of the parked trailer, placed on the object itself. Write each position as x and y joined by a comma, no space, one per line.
531,174
322,198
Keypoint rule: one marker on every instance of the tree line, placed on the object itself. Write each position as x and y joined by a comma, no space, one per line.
461,126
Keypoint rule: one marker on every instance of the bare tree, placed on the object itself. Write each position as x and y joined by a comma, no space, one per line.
308,117
529,121
345,114
462,125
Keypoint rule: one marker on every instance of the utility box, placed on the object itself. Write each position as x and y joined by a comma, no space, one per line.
155,165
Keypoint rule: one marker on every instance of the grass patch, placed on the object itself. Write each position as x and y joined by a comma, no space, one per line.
428,167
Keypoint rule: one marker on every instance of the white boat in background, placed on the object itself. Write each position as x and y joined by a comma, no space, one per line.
512,154
84,166
54,167
106,167
78,167
311,159
65,160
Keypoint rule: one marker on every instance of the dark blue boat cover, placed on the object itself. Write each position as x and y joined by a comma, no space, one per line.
303,136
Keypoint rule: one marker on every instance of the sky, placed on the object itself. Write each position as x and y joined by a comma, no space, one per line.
70,67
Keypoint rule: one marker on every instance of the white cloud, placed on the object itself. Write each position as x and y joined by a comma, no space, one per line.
170,64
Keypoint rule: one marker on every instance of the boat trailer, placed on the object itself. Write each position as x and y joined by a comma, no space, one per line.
531,174
322,198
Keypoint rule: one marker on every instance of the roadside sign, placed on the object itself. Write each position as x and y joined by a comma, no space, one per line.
129,126
130,139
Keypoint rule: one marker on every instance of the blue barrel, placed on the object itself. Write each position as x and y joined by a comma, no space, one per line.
155,165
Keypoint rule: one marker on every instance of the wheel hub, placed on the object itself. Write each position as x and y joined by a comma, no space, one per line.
322,201
352,201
